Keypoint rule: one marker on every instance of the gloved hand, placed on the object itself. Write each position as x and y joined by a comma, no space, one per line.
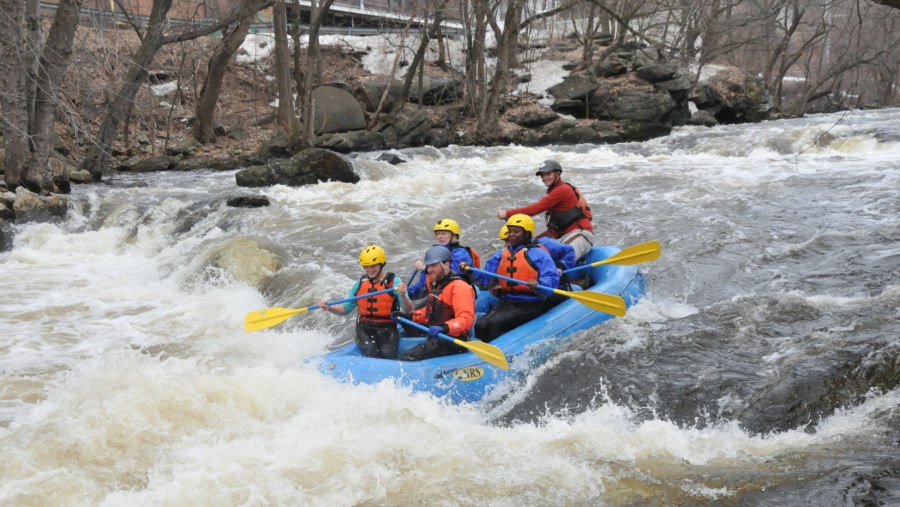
396,314
434,330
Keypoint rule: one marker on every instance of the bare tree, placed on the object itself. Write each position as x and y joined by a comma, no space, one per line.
834,67
28,103
286,118
476,64
153,37
428,33
232,39
312,63
488,114
391,76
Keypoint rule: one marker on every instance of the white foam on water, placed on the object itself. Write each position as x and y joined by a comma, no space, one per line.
127,379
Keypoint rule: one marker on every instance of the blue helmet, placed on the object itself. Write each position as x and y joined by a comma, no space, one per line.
437,254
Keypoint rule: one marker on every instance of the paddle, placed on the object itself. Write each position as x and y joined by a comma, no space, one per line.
486,351
644,252
606,303
262,319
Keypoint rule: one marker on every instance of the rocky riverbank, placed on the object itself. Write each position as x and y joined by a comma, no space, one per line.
632,95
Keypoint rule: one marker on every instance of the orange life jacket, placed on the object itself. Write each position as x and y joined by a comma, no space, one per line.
519,266
476,260
377,308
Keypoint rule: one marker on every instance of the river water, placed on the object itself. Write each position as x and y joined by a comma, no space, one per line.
762,367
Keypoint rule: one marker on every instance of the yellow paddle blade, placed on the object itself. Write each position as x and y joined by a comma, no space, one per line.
636,254
486,351
262,319
606,303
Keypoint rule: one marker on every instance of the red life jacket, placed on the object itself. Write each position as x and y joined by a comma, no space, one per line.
377,308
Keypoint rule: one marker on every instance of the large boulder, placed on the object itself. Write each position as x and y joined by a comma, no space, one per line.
372,90
31,207
611,66
308,167
624,99
409,127
346,142
657,72
336,110
533,117
733,96
281,145
572,94
578,132
436,90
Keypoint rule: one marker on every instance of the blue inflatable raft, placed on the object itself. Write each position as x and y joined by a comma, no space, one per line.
465,377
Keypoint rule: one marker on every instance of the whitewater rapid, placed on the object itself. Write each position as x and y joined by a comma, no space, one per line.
759,369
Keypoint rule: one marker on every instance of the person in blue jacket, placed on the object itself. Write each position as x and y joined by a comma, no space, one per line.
446,234
563,255
523,260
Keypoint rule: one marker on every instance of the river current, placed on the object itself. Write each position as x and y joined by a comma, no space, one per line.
761,368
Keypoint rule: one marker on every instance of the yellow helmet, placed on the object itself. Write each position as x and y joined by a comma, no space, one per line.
504,232
371,255
445,224
523,221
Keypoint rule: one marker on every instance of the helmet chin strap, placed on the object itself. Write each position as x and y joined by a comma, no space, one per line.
380,269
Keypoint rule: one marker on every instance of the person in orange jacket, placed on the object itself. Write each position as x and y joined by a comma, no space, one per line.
568,214
449,309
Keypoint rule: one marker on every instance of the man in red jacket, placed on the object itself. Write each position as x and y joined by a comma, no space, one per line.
568,214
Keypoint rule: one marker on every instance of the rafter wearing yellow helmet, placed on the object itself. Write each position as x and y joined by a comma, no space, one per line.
376,334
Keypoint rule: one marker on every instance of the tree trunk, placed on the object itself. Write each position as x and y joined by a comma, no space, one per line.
476,77
120,108
30,59
488,125
51,71
204,130
419,58
587,48
307,108
286,118
14,117
390,78
29,115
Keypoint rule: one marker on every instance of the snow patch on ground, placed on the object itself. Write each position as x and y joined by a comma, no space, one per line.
379,52
164,89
